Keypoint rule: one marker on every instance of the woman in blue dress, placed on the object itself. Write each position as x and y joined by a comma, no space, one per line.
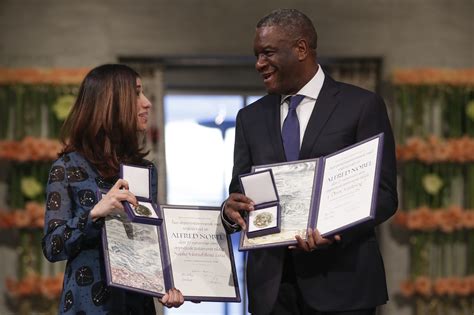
101,132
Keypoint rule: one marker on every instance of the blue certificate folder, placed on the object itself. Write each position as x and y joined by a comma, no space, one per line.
333,193
190,251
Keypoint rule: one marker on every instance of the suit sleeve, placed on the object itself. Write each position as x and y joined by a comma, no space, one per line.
373,120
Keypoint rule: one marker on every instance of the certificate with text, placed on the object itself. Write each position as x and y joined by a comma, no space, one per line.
332,193
190,251
348,186
200,254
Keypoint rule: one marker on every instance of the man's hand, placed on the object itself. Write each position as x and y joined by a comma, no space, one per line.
313,241
235,203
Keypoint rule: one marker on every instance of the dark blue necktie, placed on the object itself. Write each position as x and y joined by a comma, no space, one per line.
290,132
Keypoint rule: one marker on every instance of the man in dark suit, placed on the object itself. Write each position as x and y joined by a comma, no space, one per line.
344,275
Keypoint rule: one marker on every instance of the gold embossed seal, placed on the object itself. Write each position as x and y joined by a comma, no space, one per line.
263,219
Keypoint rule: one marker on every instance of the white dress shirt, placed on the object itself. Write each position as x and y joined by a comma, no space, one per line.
305,108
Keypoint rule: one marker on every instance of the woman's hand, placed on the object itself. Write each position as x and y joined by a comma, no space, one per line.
112,201
173,298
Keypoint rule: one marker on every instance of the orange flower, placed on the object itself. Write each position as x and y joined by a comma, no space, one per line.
26,287
422,219
37,75
433,149
21,219
7,220
52,149
450,219
457,214
51,287
470,279
35,210
34,284
423,286
441,286
427,218
415,220
462,287
452,284
22,154
468,219
30,149
31,216
441,152
433,76
414,146
38,222
407,288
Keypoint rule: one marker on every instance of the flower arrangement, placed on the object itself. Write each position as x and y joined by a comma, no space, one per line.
30,217
34,294
34,103
436,150
434,127
446,286
431,76
58,76
424,219
30,149
34,284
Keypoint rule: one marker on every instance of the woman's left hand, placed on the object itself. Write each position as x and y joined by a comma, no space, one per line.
174,298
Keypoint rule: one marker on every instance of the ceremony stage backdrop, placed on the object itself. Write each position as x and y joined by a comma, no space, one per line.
432,113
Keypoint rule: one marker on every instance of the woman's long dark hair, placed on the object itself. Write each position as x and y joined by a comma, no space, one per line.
102,125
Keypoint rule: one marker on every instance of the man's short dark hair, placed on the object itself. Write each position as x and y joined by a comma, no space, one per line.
295,23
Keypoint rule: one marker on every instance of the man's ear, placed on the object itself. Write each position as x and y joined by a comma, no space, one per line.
302,49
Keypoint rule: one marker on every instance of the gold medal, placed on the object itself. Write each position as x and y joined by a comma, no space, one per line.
142,210
263,219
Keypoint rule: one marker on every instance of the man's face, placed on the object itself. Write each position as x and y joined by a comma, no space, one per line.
277,60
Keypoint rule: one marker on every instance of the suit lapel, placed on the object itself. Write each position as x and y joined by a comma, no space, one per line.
272,117
325,105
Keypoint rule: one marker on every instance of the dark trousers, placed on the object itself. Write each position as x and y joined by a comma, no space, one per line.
291,302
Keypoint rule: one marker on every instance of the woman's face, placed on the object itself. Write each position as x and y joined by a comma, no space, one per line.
143,107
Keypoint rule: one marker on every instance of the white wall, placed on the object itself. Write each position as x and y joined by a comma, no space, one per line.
428,33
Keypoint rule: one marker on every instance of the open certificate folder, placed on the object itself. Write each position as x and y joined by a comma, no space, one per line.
332,193
189,251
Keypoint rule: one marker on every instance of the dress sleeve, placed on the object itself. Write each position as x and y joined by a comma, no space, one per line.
68,227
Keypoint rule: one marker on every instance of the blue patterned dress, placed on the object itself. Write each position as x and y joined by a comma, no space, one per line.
70,234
